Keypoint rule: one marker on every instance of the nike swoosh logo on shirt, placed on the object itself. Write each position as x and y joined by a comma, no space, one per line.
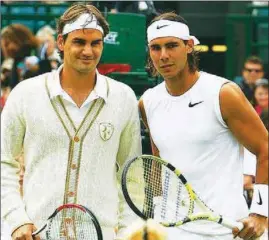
260,199
159,27
194,104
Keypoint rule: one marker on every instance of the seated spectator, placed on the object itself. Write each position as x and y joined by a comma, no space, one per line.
18,42
261,96
252,71
48,48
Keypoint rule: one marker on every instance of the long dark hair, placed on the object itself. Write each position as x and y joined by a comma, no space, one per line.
192,58
22,36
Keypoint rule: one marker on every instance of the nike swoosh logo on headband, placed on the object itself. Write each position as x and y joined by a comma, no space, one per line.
159,27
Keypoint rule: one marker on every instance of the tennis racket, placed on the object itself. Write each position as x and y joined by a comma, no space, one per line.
71,222
154,188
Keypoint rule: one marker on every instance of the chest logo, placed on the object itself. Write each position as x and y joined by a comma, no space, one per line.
106,131
194,104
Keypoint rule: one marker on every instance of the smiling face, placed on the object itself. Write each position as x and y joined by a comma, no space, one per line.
82,50
169,55
261,96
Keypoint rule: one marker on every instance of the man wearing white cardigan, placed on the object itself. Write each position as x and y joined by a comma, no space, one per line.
74,126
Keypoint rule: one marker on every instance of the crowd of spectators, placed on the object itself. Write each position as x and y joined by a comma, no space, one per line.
254,84
25,55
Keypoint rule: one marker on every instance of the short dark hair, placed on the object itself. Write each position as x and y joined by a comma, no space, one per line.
193,57
73,12
255,60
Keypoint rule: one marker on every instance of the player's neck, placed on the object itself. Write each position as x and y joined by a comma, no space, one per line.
181,83
79,83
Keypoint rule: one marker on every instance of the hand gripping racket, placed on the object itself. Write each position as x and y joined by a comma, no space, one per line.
154,188
71,222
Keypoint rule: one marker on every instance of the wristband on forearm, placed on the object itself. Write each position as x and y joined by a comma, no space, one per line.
259,203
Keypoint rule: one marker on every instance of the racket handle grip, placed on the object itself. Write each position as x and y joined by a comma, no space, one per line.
229,223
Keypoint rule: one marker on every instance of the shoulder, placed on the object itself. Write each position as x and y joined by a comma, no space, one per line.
209,85
29,86
231,91
232,100
213,79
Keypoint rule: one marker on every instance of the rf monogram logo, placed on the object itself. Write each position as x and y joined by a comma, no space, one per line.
106,130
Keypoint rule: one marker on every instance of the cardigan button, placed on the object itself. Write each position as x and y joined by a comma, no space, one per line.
76,139
74,166
71,194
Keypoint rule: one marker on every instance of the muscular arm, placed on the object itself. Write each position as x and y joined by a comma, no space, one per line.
246,126
154,149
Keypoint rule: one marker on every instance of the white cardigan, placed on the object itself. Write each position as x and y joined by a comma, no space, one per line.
60,168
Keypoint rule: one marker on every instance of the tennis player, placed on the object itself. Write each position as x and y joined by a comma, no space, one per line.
199,122
74,125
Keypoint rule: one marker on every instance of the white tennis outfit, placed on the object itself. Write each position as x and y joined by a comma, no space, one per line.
190,133
250,162
70,153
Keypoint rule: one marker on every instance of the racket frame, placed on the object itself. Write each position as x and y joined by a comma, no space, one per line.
73,205
208,215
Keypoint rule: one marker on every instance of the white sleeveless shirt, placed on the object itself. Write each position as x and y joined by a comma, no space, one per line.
190,133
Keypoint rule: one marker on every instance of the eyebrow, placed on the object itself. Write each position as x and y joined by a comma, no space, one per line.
82,39
98,40
166,44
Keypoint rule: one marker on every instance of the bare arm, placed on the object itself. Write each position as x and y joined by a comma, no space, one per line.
154,149
249,130
246,126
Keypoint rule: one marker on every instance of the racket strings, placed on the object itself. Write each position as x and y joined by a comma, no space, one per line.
157,192
71,224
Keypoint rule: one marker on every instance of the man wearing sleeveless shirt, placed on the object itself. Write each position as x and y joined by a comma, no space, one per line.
200,122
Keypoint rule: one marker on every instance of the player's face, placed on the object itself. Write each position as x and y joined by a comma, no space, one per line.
82,49
169,56
252,72
261,96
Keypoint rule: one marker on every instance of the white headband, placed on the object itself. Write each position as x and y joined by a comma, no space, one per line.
166,28
85,20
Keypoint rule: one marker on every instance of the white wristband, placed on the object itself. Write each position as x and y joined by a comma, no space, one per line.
259,203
